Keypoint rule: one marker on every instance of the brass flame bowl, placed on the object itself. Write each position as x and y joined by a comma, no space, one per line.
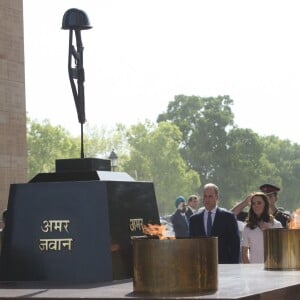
179,266
282,249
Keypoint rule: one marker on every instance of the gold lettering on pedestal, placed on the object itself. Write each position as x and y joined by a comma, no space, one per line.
55,225
135,224
52,244
55,244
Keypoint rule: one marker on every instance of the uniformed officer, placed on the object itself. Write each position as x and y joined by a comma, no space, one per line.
272,192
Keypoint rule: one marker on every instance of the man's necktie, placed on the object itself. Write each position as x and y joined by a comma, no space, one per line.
209,224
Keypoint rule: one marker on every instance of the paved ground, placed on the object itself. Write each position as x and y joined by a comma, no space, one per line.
235,282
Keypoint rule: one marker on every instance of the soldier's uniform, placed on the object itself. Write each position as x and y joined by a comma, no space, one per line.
282,217
279,215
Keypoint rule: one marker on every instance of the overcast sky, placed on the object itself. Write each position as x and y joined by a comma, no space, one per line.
140,54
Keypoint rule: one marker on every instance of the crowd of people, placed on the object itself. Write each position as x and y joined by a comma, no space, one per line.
239,230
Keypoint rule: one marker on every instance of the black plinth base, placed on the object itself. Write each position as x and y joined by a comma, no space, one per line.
81,176
74,232
82,165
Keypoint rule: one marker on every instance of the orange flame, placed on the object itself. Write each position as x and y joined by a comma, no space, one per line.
156,231
294,222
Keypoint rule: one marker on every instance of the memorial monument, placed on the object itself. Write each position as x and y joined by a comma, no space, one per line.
75,225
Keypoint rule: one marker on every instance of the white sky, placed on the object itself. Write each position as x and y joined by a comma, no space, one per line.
141,53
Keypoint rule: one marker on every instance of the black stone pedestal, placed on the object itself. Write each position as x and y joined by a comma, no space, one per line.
74,231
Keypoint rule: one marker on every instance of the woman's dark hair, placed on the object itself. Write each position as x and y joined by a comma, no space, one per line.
252,219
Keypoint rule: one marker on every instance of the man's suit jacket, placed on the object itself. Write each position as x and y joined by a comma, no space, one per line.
180,224
189,212
225,228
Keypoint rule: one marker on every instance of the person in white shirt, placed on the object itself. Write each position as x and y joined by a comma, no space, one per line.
259,219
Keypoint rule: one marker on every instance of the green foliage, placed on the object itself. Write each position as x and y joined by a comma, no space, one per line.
204,123
285,160
155,156
194,141
236,159
245,157
99,142
46,143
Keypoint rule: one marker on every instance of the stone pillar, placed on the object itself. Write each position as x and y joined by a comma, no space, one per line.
13,147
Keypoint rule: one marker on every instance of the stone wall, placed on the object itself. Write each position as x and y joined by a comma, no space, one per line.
13,148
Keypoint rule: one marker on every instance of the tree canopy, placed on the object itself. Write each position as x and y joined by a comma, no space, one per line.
155,156
194,142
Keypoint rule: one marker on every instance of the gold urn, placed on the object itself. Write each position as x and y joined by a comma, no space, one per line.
177,266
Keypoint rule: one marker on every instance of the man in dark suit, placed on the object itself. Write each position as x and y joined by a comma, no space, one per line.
192,203
219,222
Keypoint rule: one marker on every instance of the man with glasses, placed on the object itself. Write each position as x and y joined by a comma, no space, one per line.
272,192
